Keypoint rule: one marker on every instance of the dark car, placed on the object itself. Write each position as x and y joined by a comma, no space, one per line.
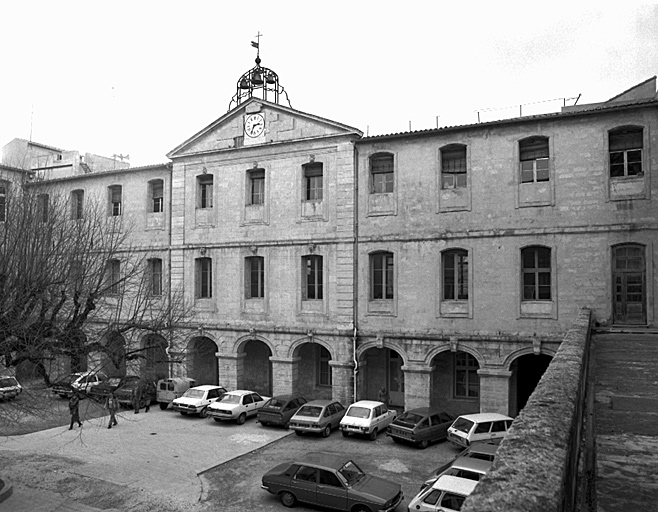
318,417
279,409
331,481
124,393
103,390
420,426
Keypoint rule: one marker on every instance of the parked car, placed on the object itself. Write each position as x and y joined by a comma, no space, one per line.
195,400
368,418
9,388
478,451
124,394
317,416
447,494
279,409
103,389
485,426
170,389
79,381
420,426
237,405
331,481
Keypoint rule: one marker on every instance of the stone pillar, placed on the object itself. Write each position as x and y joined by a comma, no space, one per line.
494,390
285,372
177,366
417,380
230,369
361,381
342,381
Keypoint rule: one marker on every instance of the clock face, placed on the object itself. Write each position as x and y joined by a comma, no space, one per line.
254,124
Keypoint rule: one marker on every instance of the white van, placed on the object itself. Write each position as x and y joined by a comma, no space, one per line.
485,426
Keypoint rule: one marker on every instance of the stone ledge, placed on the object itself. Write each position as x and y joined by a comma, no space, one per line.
6,489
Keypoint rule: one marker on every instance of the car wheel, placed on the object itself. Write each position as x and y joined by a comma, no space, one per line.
286,425
360,508
62,396
163,405
396,440
327,431
183,413
265,423
345,433
298,432
203,413
288,499
373,434
241,419
217,420
423,444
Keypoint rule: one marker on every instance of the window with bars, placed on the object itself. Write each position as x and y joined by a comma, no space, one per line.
313,175
43,201
455,274
534,157
155,276
255,277
115,200
381,174
625,146
381,276
324,369
157,196
113,277
205,191
203,278
453,166
536,263
312,277
256,183
77,204
467,382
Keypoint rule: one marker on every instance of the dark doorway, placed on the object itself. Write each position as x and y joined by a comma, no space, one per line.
528,370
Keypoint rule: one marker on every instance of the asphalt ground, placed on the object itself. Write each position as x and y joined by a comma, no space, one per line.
187,463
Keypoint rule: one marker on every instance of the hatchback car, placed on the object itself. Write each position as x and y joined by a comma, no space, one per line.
485,426
447,494
196,400
420,426
367,418
9,388
81,382
318,417
236,406
279,409
331,481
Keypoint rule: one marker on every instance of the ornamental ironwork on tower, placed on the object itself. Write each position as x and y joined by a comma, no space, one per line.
258,82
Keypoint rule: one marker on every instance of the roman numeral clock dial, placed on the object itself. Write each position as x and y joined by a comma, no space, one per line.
254,124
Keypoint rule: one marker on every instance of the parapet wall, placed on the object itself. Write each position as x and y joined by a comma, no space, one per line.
536,466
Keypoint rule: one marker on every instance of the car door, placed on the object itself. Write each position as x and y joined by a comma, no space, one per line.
337,413
304,484
258,402
482,431
248,404
498,429
330,491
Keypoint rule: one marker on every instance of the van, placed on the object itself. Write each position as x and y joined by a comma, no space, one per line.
170,389
486,426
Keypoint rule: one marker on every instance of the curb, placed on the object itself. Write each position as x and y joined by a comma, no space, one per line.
5,489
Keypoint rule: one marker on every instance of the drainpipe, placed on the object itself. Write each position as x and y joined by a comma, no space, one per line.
169,326
355,271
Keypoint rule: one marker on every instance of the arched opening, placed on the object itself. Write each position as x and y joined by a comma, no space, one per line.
315,374
257,374
454,383
113,359
382,377
201,361
526,371
155,365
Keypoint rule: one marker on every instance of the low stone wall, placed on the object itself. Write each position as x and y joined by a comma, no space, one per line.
536,465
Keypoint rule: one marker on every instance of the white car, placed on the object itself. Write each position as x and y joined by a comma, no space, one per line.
237,405
196,400
484,426
366,417
9,388
447,494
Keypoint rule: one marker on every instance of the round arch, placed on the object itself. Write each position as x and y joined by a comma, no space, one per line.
202,365
362,349
155,363
293,349
242,341
524,352
460,348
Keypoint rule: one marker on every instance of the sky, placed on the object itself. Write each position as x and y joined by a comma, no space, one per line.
138,78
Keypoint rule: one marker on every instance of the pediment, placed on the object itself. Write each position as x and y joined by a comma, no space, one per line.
281,124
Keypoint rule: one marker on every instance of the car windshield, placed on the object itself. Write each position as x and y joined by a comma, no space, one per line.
310,411
114,381
8,381
358,412
231,399
275,404
351,472
463,425
409,418
194,393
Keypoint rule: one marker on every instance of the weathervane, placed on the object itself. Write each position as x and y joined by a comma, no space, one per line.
257,46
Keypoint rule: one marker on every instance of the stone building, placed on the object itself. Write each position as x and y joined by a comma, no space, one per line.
438,267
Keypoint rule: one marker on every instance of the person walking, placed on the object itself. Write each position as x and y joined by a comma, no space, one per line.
74,404
112,406
135,397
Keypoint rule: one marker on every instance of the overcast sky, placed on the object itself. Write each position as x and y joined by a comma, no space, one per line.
139,78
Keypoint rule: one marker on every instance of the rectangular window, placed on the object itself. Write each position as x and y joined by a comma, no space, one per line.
205,190
313,182
42,207
155,276
625,147
467,382
3,202
536,263
113,277
381,276
255,277
312,277
453,167
203,278
257,186
157,196
455,275
533,153
382,174
115,200
77,204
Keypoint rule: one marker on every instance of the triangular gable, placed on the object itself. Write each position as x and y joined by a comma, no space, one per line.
282,124
642,91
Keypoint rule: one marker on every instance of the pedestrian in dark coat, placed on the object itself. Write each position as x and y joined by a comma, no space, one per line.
74,403
112,406
135,398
